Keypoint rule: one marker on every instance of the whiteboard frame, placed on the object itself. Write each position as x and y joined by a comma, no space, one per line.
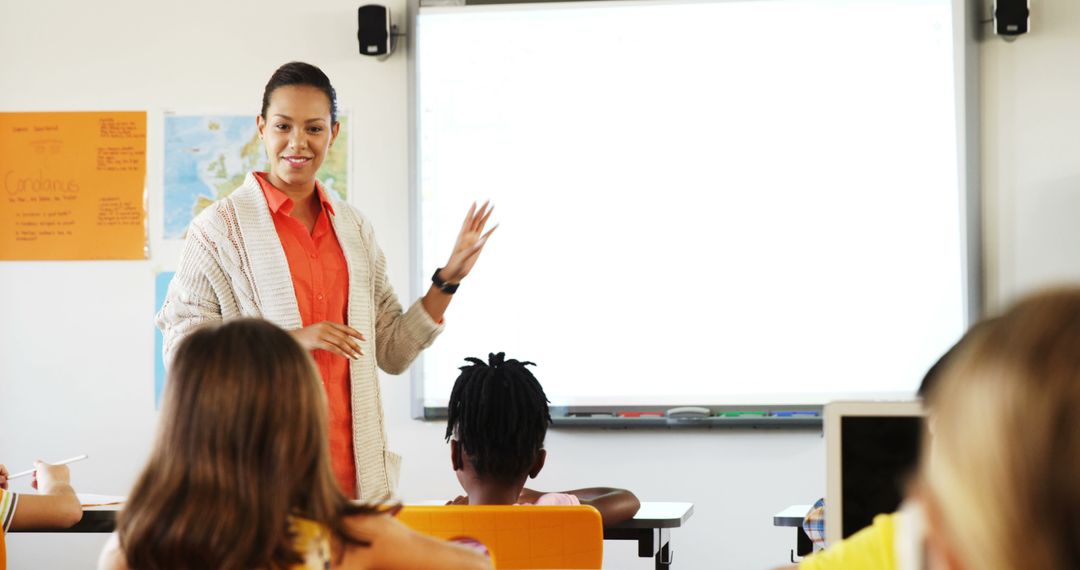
966,34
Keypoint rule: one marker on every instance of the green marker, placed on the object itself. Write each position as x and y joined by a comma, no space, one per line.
743,414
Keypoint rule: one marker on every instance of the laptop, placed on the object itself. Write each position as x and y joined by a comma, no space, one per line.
871,452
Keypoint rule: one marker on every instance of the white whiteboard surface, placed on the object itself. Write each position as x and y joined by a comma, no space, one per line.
701,202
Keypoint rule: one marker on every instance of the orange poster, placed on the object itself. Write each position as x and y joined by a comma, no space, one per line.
73,185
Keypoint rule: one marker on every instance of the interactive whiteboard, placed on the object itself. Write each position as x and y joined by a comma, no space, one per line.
760,202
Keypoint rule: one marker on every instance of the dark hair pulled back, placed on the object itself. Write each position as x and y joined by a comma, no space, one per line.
300,73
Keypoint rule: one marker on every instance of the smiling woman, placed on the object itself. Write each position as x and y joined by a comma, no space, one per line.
281,249
297,130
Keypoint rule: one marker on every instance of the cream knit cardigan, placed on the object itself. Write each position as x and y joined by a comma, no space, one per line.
233,266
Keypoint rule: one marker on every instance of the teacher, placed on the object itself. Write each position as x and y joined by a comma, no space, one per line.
281,249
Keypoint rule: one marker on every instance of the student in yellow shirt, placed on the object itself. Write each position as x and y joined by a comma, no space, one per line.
997,485
814,523
872,547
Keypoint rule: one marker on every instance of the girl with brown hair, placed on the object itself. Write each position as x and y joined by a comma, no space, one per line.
240,475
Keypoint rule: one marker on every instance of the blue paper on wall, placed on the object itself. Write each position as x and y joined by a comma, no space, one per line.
161,286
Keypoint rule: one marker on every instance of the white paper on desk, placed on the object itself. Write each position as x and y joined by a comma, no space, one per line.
93,500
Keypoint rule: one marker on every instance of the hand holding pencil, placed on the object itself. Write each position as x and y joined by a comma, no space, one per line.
47,476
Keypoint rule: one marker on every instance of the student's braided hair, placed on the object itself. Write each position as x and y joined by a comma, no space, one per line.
500,414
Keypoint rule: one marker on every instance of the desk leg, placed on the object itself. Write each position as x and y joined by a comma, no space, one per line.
652,543
803,543
663,553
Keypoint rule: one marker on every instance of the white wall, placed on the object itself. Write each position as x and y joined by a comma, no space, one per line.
1031,154
76,348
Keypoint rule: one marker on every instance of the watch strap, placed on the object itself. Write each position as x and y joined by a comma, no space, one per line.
448,288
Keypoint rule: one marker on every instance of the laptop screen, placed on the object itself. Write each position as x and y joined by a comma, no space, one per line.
878,457
871,451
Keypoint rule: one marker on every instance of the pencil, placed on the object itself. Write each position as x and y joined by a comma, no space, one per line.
63,462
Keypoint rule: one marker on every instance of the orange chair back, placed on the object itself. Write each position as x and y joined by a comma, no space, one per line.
519,536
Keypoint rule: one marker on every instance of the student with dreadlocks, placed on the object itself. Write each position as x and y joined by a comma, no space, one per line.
498,417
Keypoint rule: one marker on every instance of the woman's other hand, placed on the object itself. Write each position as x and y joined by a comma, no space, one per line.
4,474
332,337
470,242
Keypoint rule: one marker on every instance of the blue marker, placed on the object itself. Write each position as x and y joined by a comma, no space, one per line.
796,414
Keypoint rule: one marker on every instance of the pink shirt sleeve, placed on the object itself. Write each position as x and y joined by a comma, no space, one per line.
557,500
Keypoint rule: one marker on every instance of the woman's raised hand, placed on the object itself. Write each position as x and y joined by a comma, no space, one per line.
333,337
470,243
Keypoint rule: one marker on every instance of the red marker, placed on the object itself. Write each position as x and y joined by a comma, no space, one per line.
641,414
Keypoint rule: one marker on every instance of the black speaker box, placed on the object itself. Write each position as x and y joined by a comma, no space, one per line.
373,29
1011,17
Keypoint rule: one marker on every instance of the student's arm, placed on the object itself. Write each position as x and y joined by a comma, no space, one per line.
55,505
394,545
615,505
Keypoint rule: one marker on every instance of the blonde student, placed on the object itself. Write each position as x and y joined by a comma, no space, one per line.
498,417
240,474
1001,483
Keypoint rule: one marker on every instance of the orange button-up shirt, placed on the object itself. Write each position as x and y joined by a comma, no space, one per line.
320,278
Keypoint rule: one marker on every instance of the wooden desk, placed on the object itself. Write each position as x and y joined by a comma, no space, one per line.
651,527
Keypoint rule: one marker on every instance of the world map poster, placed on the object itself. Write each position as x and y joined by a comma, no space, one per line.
208,156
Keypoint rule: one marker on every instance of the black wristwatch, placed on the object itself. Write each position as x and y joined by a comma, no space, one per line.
448,288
